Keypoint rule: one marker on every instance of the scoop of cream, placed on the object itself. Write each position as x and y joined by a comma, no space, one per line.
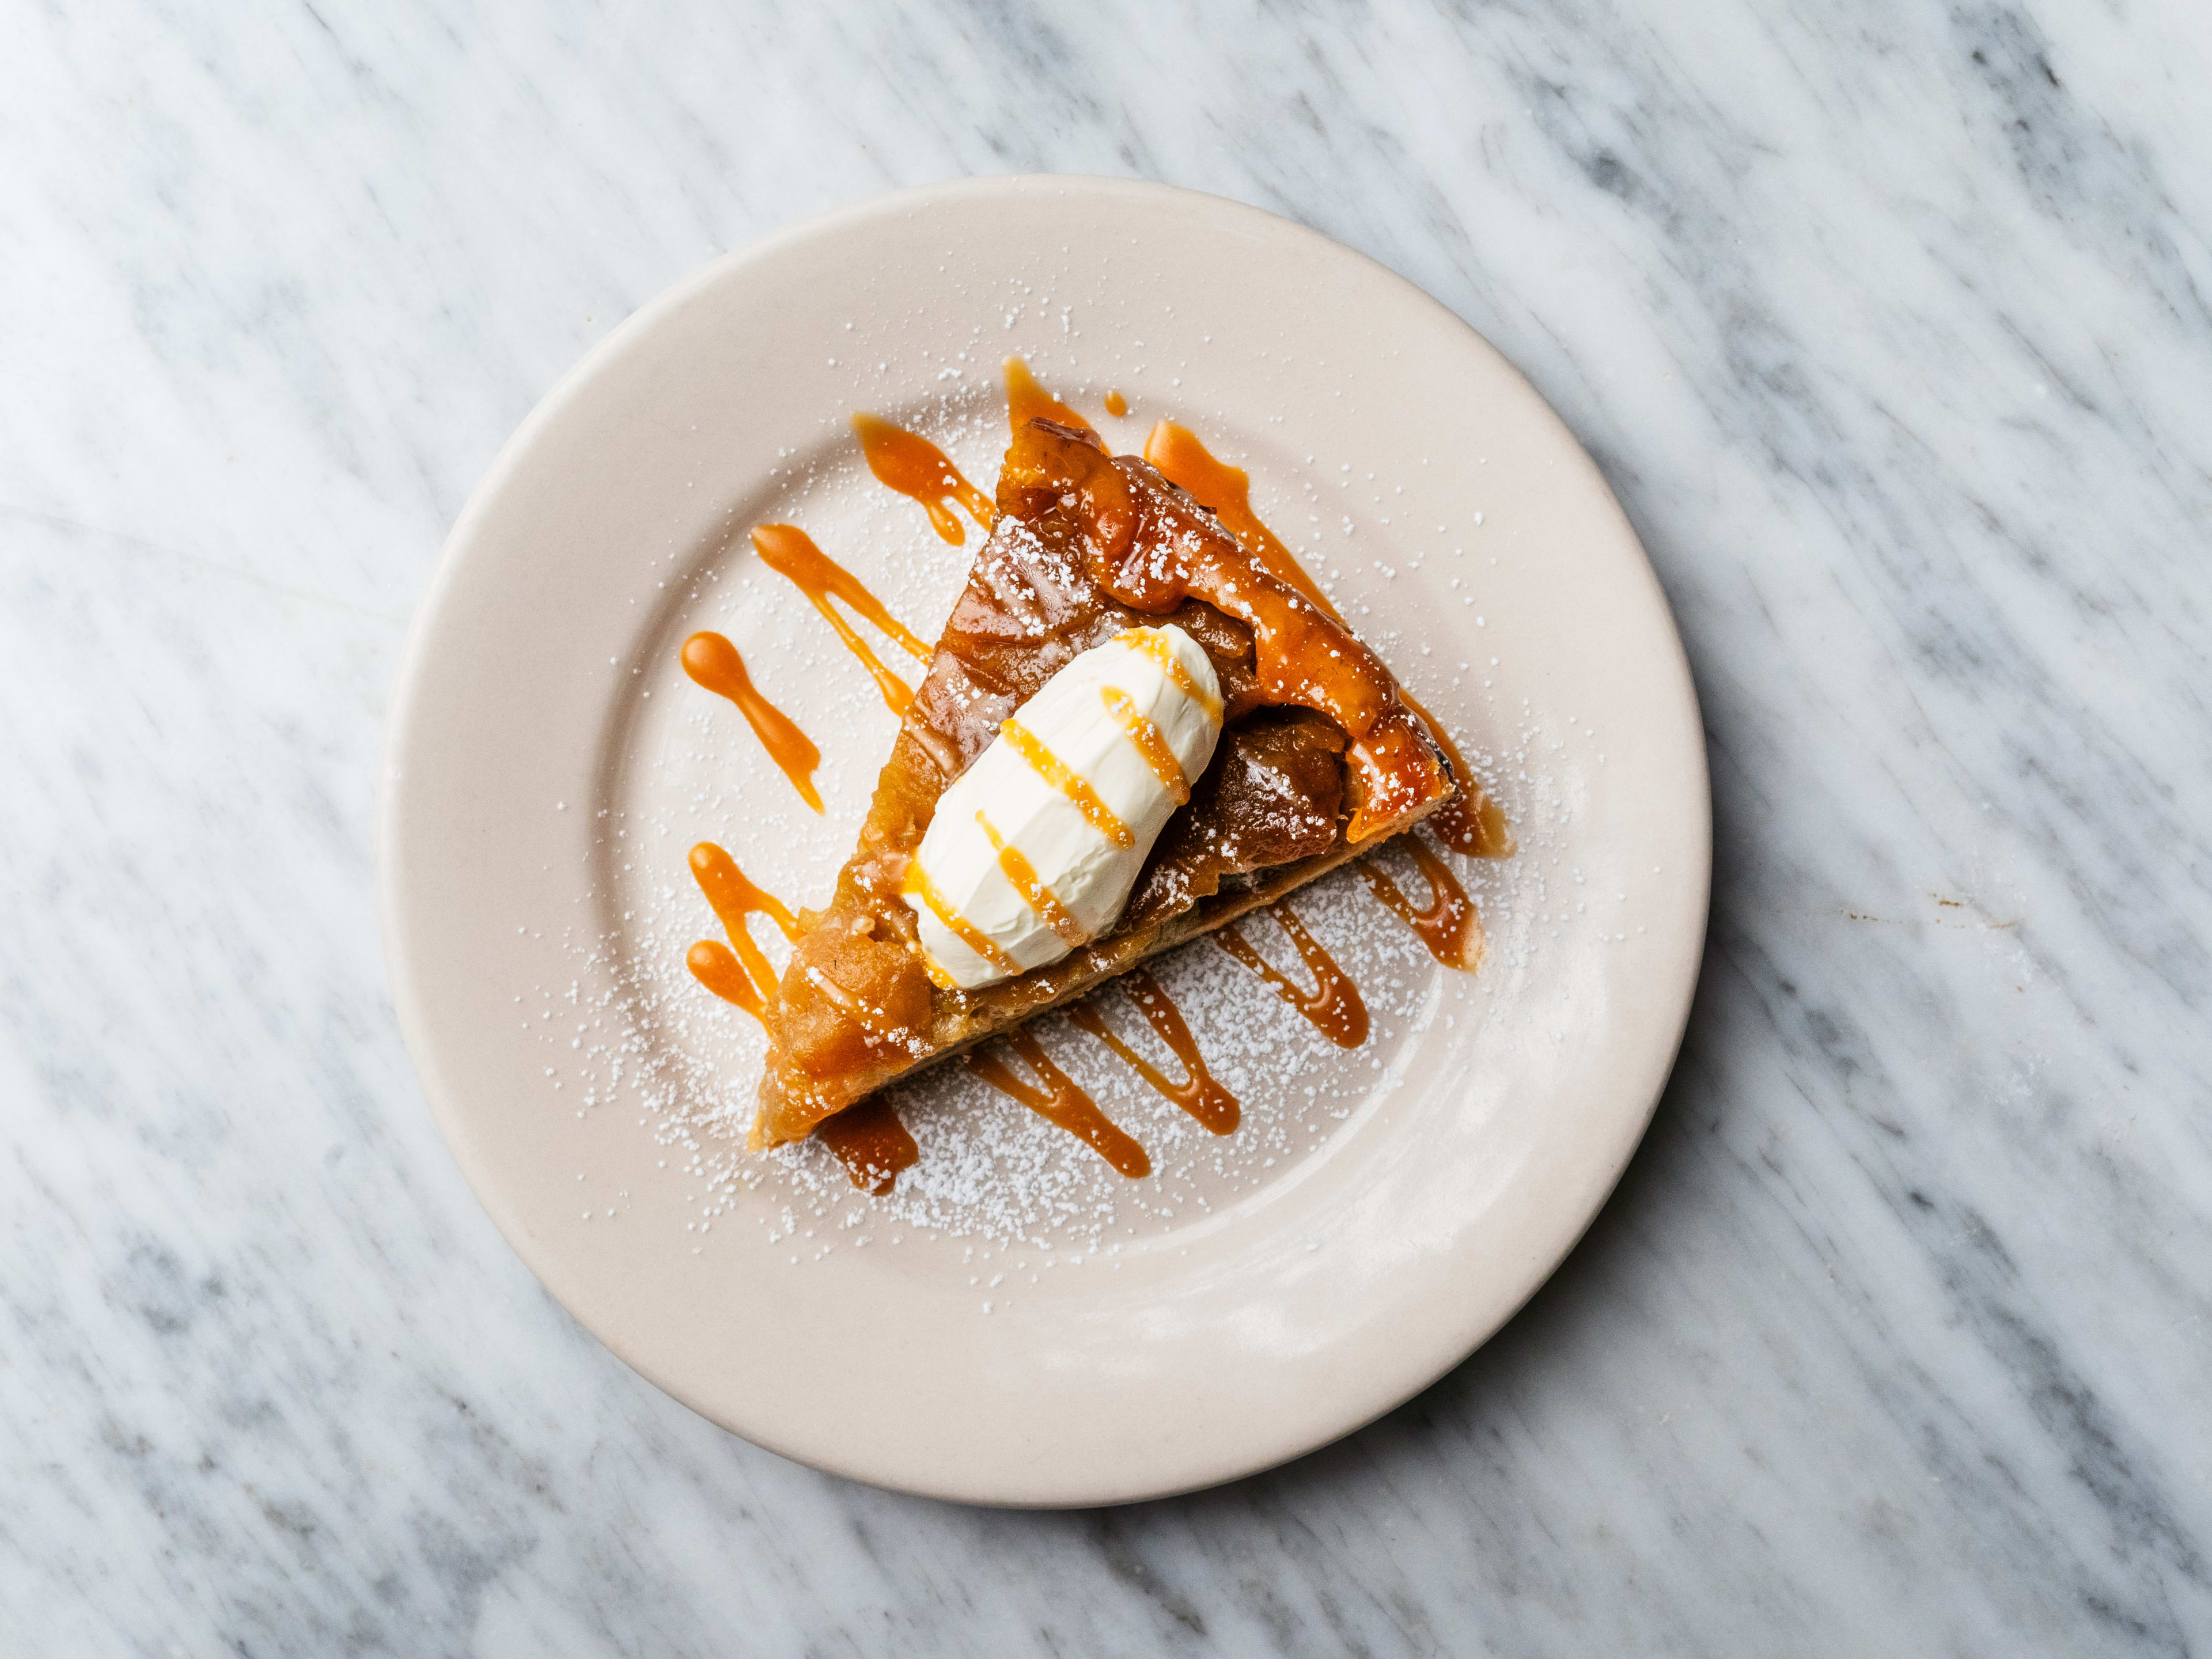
1034,848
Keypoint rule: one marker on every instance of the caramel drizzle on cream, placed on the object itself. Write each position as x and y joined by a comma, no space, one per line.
917,469
1056,772
1470,822
1199,1094
714,663
1146,738
938,976
1061,1103
791,552
1157,646
918,884
738,972
1333,1007
1116,405
1021,875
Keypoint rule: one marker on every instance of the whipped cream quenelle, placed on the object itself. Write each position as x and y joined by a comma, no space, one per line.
1034,848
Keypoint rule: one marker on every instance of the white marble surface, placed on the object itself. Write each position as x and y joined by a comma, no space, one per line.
1889,324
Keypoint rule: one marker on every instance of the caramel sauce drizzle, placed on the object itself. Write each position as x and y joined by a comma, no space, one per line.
1449,925
1027,401
714,663
1157,646
791,552
1022,875
870,1142
1061,1101
920,886
1470,822
1178,456
1333,1007
1054,771
1146,738
738,972
1116,405
735,898
918,469
714,967
938,976
1204,1099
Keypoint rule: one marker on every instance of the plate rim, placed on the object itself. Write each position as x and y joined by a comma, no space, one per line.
404,975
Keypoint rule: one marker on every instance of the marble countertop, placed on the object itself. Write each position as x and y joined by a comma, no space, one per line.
1889,326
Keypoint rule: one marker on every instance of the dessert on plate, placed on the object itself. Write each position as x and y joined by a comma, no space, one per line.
1133,730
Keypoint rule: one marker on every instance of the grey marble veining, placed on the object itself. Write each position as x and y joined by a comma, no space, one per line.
1889,324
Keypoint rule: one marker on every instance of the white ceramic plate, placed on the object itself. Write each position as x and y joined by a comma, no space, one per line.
1017,1324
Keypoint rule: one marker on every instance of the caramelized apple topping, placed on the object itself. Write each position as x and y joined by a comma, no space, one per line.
1152,548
